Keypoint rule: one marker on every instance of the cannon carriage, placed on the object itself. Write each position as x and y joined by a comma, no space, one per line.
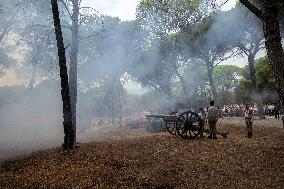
187,125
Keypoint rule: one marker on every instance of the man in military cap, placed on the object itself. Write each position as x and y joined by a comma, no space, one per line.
248,119
212,118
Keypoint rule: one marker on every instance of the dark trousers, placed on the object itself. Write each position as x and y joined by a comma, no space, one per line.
248,127
276,115
202,127
212,128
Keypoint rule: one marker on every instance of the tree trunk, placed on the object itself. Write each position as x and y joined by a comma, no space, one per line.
211,81
272,37
252,70
73,63
257,98
274,48
67,113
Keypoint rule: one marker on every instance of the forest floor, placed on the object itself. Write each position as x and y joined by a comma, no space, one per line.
133,158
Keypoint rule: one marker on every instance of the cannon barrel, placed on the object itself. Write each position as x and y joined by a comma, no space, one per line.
166,118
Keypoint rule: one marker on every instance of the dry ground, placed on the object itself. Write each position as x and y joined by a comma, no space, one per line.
127,158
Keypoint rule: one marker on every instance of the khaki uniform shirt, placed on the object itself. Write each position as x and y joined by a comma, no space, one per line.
213,113
248,114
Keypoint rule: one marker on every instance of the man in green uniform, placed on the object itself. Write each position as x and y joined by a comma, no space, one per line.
248,119
212,117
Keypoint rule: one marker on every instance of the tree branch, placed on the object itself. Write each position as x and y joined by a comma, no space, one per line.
79,3
66,7
38,25
91,9
231,54
223,3
259,46
68,27
252,8
243,48
262,43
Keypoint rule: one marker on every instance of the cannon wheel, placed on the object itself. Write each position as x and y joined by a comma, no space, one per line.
188,125
171,127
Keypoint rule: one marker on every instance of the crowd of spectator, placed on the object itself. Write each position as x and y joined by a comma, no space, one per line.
272,110
237,110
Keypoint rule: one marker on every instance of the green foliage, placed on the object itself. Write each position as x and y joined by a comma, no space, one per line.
264,75
190,35
161,18
227,77
203,27
226,80
266,83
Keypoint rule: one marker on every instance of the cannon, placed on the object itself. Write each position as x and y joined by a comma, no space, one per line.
187,125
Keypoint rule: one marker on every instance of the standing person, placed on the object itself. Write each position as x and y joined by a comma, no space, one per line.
212,118
201,114
276,112
281,112
219,112
248,119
